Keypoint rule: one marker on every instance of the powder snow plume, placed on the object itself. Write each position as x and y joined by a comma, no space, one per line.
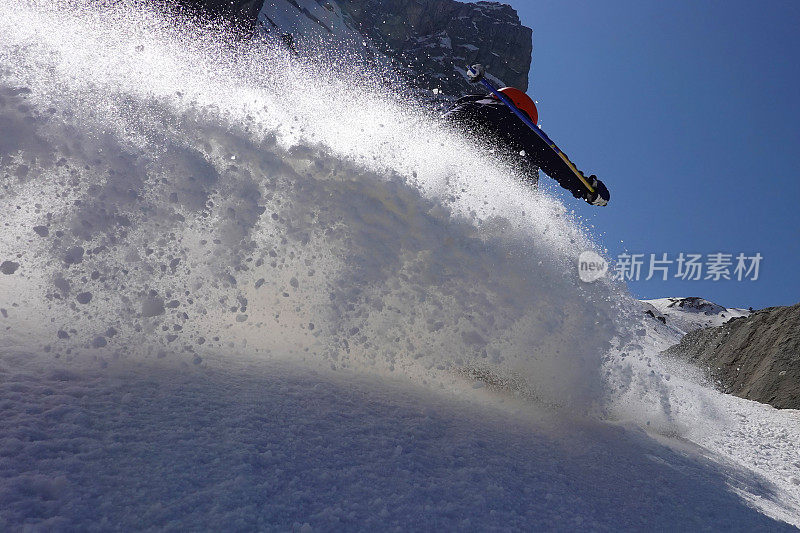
172,193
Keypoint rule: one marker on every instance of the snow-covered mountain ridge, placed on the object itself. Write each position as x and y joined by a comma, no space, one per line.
690,313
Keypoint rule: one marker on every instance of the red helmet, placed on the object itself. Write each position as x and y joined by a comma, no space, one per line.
522,101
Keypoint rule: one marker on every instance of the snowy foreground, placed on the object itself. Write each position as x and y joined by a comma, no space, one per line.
237,294
273,446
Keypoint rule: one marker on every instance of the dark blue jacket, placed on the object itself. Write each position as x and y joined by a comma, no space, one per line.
493,121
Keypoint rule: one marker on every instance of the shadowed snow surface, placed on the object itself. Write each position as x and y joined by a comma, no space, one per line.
274,447
240,291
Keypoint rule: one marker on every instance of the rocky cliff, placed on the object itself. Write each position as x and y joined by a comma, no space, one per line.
436,39
240,12
755,357
429,42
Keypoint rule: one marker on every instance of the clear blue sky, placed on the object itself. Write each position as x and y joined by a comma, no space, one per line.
690,112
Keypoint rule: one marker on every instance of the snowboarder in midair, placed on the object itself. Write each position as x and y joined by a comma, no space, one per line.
498,122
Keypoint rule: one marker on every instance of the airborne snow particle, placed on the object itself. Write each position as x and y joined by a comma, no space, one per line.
152,306
294,283
9,267
62,334
41,231
61,284
84,297
99,342
74,255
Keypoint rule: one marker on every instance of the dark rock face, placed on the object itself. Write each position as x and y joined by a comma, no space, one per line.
432,38
242,13
757,357
698,304
430,42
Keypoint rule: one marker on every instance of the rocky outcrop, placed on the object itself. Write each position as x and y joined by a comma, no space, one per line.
436,39
755,357
242,13
429,42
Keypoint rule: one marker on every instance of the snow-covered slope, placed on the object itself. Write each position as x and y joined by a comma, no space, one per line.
238,294
689,314
306,19
316,26
268,446
754,357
